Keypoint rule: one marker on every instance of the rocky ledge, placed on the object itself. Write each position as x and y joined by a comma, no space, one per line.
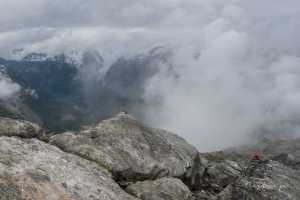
121,159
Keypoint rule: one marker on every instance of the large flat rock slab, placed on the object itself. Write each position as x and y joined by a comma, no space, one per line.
33,170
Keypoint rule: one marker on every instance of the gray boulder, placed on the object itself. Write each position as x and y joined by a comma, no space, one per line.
128,149
161,189
211,173
20,128
269,181
32,169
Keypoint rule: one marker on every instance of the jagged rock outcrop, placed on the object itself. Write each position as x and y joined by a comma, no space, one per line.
32,169
267,181
233,176
210,174
15,108
122,159
131,151
24,129
161,189
288,160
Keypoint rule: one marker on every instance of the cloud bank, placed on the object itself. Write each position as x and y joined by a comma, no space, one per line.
235,67
8,88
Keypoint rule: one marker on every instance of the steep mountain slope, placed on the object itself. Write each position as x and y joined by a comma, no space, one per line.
55,89
62,93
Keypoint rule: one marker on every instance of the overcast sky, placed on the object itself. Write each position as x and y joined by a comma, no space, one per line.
245,79
40,24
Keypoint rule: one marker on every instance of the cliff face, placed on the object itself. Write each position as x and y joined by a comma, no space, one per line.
121,159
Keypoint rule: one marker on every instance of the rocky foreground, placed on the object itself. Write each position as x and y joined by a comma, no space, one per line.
121,159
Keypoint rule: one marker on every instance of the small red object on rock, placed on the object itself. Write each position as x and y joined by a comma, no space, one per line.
256,157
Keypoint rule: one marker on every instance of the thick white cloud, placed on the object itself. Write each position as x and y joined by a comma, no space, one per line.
8,89
236,61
